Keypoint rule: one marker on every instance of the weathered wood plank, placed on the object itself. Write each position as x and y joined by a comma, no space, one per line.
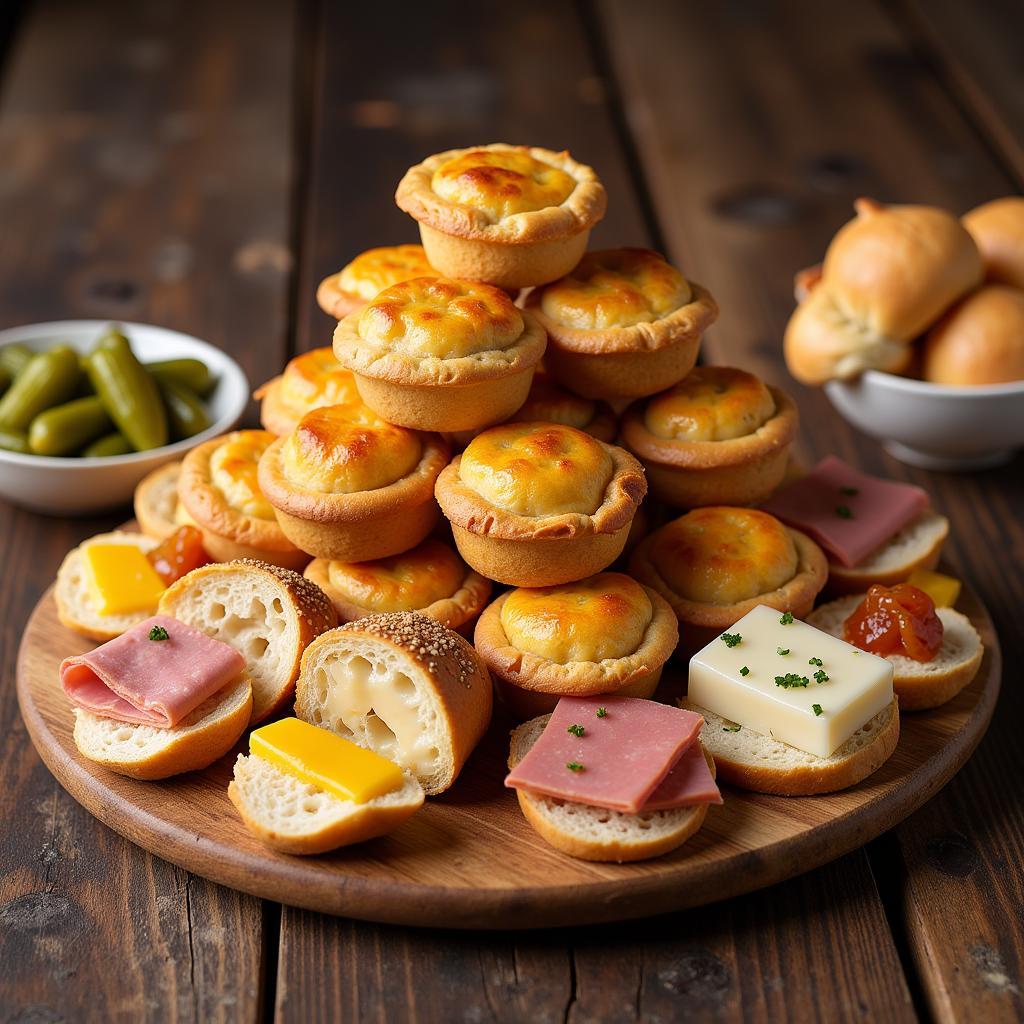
795,110
145,173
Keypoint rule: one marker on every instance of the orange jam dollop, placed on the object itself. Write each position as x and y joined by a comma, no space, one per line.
895,620
179,554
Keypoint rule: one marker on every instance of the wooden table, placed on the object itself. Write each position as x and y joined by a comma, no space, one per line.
202,165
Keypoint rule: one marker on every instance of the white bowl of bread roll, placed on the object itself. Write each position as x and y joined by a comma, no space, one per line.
914,324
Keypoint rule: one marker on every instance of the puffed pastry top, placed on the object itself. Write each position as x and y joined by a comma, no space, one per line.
233,465
376,269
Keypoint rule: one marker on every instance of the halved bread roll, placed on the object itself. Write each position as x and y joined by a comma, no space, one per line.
919,684
268,614
596,833
917,546
753,761
146,752
295,817
402,685
156,501
76,608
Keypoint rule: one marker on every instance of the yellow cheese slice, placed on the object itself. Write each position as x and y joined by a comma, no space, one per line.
325,760
943,590
120,579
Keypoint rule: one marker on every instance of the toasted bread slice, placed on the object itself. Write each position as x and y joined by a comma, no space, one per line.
295,817
917,546
75,606
156,501
144,752
753,761
919,684
596,833
268,614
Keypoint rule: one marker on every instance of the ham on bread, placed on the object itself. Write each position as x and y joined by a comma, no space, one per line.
147,681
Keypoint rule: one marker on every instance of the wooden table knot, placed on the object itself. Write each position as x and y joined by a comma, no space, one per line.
952,854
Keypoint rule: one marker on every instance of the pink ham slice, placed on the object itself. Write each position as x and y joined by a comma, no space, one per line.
625,755
878,509
688,784
150,682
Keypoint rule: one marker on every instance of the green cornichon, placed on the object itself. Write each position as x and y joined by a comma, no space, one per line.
14,441
109,444
66,428
128,392
15,357
193,373
184,410
48,379
5,379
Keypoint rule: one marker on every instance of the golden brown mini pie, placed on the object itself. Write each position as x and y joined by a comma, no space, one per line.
513,216
605,634
538,504
310,381
548,402
369,273
353,490
430,579
219,491
718,437
623,324
715,564
437,354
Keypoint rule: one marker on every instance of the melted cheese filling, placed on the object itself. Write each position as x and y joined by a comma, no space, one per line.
233,467
376,269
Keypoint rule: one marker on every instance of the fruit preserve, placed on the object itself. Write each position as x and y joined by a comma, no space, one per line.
895,620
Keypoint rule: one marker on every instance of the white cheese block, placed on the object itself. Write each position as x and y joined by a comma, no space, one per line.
858,687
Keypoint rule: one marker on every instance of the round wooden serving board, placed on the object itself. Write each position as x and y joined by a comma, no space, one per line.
469,859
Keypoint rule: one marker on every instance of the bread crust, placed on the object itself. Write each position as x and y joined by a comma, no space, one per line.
334,300
824,775
702,622
997,228
627,362
739,471
156,499
227,533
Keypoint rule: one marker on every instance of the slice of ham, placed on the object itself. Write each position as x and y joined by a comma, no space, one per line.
688,784
817,504
625,755
150,682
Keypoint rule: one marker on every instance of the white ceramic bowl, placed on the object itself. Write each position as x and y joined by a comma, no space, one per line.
933,425
69,486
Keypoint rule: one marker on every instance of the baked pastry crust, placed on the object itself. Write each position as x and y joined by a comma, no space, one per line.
514,216
230,532
648,324
310,381
704,620
538,550
404,582
549,402
528,682
156,501
997,228
441,354
369,273
356,525
743,469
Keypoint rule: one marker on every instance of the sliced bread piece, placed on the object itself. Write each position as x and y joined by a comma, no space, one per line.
156,501
295,817
268,614
596,833
917,546
75,606
145,752
753,761
919,684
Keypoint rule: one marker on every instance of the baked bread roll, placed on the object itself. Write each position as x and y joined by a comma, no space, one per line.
156,501
513,216
219,491
368,274
146,752
353,489
76,607
605,634
549,402
310,381
538,504
441,354
403,686
997,228
430,579
979,341
887,275
266,613
718,437
622,324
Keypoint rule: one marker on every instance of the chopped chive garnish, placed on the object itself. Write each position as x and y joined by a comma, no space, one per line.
744,671
732,639
601,712
816,708
849,490
787,618
158,633
815,661
782,650
791,679
821,676
731,728
844,511
576,730
574,766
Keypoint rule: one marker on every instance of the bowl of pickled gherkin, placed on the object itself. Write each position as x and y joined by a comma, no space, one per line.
88,408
